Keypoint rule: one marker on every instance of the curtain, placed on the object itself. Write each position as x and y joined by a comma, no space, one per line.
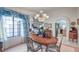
25,19
26,26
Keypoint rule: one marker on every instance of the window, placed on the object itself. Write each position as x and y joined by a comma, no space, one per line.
13,27
8,25
17,26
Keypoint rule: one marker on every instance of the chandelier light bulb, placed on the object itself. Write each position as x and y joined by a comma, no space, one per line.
37,15
47,17
41,17
44,15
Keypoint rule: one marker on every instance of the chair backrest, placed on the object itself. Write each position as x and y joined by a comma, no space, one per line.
26,39
59,46
30,45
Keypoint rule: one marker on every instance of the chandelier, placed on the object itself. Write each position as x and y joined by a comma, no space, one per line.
41,17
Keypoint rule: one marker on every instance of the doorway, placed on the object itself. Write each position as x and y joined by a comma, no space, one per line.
61,26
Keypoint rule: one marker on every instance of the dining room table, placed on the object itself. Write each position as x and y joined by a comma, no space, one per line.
43,41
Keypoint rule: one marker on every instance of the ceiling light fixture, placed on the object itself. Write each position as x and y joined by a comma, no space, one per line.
41,17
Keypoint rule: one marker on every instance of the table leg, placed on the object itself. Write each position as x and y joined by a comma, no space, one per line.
41,49
46,48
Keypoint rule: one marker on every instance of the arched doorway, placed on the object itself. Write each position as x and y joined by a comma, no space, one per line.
62,26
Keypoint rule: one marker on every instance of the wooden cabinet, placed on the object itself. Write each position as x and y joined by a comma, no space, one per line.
73,35
1,46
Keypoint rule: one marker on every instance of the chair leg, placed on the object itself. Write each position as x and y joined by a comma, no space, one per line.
41,48
76,40
28,49
46,48
58,49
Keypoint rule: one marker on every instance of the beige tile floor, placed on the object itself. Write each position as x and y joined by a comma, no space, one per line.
23,48
69,43
67,46
19,48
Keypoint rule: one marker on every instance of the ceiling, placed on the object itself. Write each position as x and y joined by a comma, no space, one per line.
45,9
34,10
37,9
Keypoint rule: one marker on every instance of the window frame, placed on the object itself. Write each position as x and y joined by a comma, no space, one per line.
13,27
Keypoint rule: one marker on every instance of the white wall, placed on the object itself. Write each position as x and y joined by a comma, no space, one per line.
12,41
70,13
77,12
78,17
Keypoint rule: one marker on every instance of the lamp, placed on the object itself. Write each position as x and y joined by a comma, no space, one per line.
41,17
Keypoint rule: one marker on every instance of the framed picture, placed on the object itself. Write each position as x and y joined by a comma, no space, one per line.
48,25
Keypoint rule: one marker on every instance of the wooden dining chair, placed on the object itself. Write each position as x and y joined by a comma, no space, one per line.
54,48
30,46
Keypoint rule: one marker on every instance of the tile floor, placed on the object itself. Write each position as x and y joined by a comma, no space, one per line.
23,48
67,46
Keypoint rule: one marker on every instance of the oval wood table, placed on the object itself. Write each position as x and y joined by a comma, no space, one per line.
43,41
